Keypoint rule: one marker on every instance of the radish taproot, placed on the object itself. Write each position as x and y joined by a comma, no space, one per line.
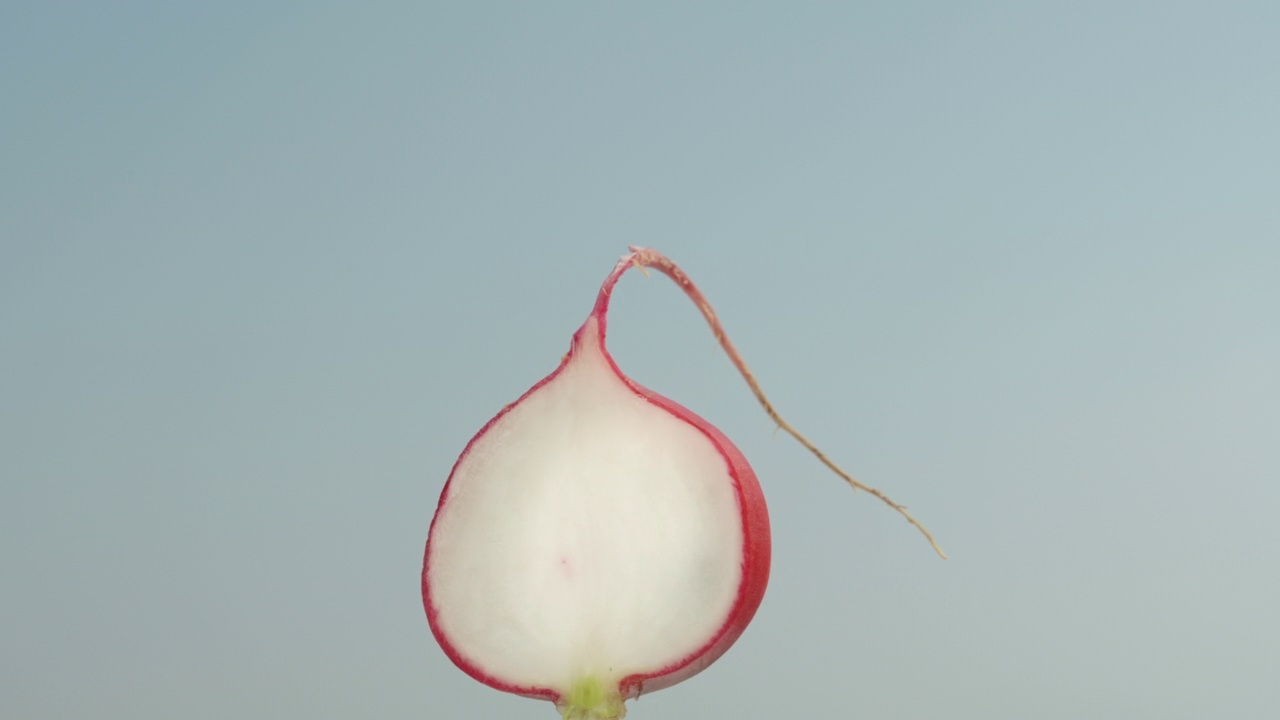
596,540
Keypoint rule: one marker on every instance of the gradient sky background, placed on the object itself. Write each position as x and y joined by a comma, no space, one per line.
265,269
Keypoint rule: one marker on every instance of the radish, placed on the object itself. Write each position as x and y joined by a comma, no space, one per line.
596,540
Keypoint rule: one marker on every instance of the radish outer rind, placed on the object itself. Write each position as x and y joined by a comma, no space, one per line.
598,694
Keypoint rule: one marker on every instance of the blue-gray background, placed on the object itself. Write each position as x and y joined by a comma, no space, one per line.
265,269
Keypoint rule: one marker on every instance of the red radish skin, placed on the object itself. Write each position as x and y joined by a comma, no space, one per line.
753,512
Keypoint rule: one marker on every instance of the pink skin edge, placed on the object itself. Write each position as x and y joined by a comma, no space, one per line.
756,549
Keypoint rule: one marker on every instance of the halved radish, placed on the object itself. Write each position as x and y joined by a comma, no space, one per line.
595,539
